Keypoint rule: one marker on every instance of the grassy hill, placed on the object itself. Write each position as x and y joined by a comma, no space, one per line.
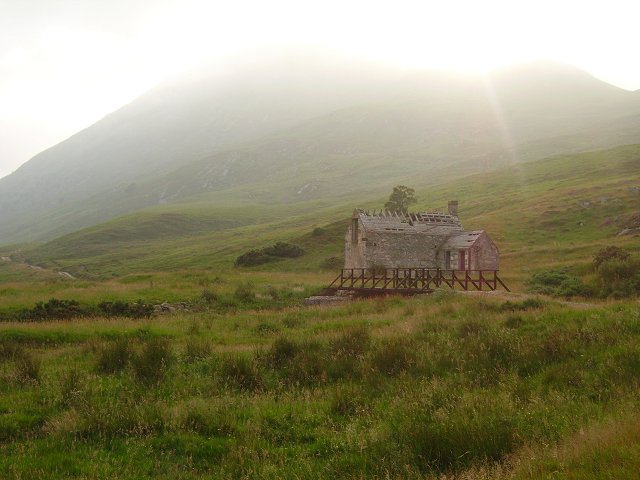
552,211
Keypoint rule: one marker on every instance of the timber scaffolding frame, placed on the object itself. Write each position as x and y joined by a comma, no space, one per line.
411,281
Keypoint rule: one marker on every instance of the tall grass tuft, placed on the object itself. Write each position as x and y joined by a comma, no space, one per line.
114,357
393,356
151,363
240,373
196,349
27,368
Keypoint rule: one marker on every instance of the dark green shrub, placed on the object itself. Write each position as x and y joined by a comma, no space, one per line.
253,258
268,254
557,283
152,362
610,253
284,250
54,309
138,309
245,293
114,357
318,232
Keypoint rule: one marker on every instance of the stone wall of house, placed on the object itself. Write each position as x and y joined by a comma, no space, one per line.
354,253
484,254
392,250
453,260
403,249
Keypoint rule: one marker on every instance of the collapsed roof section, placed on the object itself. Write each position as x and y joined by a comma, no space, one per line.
420,222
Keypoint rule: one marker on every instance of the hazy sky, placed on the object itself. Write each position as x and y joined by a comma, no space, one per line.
66,63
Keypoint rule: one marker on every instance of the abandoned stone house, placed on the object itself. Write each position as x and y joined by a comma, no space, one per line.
417,240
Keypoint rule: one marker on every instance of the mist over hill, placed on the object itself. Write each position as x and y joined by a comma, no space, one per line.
301,128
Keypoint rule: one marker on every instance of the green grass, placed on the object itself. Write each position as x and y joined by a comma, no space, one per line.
250,385
383,388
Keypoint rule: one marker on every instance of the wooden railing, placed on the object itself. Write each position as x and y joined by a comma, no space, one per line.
415,280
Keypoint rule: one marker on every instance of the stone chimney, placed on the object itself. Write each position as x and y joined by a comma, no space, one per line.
453,207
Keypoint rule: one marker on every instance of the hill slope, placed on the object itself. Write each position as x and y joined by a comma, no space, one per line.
549,212
274,135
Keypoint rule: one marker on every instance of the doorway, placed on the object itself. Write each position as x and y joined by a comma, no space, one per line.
462,264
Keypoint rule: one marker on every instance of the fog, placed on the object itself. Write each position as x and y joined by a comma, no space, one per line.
66,64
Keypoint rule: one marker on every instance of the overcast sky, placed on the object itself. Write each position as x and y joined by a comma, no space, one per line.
64,64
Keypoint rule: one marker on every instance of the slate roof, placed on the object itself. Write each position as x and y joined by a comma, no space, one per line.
462,240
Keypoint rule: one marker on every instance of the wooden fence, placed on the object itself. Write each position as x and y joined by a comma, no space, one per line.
414,280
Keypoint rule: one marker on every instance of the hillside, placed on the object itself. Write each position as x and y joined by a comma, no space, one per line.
553,211
272,134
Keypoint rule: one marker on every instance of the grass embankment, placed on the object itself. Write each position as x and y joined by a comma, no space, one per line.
447,385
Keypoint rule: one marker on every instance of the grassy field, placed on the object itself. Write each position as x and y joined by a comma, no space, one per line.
249,384
448,386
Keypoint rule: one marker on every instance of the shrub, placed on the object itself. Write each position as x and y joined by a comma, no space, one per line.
54,309
152,362
608,254
318,232
268,254
557,283
253,258
284,250
245,293
114,357
138,309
